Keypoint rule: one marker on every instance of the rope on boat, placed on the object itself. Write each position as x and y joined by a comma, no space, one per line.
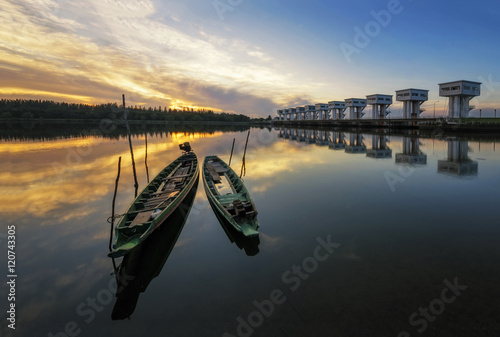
113,217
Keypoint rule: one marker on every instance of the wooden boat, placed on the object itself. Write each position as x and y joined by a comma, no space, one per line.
228,196
145,262
156,202
250,244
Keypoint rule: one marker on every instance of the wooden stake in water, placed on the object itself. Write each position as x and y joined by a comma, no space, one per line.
146,158
113,206
243,164
136,184
232,148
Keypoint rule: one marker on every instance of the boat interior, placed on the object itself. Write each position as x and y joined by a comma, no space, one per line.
228,189
160,193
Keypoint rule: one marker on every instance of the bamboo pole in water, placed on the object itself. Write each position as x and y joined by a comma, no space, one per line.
243,164
113,206
136,184
232,148
146,158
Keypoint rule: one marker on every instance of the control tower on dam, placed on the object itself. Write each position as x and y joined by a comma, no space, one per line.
459,93
379,104
412,100
355,107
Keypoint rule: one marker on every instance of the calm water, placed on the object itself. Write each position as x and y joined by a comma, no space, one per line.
361,235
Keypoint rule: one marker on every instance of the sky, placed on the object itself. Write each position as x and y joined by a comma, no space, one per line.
245,56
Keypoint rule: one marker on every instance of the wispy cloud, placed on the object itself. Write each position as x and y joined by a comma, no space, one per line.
97,49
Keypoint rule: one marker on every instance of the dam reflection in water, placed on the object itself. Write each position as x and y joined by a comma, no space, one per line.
456,164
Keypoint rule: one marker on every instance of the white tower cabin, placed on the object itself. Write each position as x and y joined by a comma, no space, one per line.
379,104
310,111
300,112
412,100
460,93
337,109
286,112
355,107
280,115
322,110
293,114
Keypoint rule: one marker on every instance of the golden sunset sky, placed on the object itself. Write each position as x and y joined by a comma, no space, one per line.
249,57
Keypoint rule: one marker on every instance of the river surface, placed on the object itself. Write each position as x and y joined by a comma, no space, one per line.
362,234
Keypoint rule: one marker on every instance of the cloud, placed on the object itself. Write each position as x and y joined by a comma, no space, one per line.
94,51
227,99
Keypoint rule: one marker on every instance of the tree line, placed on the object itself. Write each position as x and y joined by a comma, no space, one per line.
32,109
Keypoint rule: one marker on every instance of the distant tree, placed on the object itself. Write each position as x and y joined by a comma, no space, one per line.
27,115
6,115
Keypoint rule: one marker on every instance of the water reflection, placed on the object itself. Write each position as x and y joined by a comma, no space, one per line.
304,192
355,144
379,149
25,131
146,261
337,140
249,244
411,154
458,163
322,138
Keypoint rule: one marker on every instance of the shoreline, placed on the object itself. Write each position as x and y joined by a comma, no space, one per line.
472,125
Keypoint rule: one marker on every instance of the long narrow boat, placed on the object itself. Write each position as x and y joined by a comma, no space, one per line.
228,196
156,202
142,264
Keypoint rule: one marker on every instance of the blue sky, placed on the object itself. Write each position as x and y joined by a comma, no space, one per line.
244,56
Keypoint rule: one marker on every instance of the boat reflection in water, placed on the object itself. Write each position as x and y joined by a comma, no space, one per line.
248,243
146,261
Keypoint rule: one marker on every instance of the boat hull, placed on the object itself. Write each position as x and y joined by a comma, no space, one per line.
141,265
128,234
223,204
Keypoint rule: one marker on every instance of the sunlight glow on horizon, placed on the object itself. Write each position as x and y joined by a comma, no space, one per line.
258,59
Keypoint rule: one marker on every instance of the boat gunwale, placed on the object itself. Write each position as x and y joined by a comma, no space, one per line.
169,209
217,202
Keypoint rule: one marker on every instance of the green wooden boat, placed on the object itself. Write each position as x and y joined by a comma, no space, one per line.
145,262
229,197
156,202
